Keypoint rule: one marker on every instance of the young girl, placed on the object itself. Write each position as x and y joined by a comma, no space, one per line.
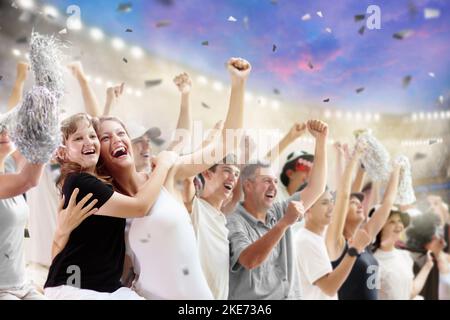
88,263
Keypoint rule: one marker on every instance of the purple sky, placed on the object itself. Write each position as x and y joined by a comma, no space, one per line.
343,60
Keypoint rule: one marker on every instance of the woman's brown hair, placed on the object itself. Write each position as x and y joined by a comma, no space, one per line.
68,127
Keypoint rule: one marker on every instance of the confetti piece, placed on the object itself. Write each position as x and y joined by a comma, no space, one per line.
185,271
359,90
26,233
431,74
163,23
328,30
205,43
22,40
273,1
125,7
152,83
166,2
125,60
7,256
274,47
129,30
359,17
406,81
144,240
319,13
441,99
310,65
326,100
276,91
361,30
1,77
419,156
63,31
306,17
432,141
232,19
404,34
204,105
429,13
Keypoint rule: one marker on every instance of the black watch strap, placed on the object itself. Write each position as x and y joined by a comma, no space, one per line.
352,252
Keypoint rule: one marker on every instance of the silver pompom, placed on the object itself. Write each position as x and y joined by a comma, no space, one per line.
46,62
376,158
405,193
34,126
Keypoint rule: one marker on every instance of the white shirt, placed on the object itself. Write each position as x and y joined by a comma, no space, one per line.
396,274
313,263
213,246
166,253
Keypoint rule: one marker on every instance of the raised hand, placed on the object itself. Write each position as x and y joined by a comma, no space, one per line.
22,71
183,82
76,68
239,69
318,129
115,92
297,130
360,241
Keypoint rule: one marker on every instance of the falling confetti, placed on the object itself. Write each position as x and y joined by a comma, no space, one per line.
204,105
359,17
326,100
432,141
328,30
26,233
359,90
163,23
129,30
7,256
419,156
310,65
22,40
404,34
306,17
276,91
429,13
185,271
319,13
273,1
412,9
125,7
431,74
152,83
361,30
144,240
1,77
406,81
274,48
205,43
232,19
63,31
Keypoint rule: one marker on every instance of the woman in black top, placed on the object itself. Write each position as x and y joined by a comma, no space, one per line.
361,284
88,263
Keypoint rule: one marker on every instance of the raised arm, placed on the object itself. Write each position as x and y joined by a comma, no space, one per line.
422,276
123,206
318,179
192,164
257,252
297,130
379,217
184,85
334,237
90,100
113,95
358,183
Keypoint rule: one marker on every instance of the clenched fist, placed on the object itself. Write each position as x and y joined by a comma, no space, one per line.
239,68
294,212
183,82
317,128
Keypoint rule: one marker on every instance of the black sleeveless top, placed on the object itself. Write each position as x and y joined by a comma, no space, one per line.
363,281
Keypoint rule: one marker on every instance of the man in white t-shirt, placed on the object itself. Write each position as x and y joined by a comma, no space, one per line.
210,224
318,280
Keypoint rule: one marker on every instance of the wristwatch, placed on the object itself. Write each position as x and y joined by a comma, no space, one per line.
353,252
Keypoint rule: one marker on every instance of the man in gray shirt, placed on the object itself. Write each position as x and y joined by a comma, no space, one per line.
261,247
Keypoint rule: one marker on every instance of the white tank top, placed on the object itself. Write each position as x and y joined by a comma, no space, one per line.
167,260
